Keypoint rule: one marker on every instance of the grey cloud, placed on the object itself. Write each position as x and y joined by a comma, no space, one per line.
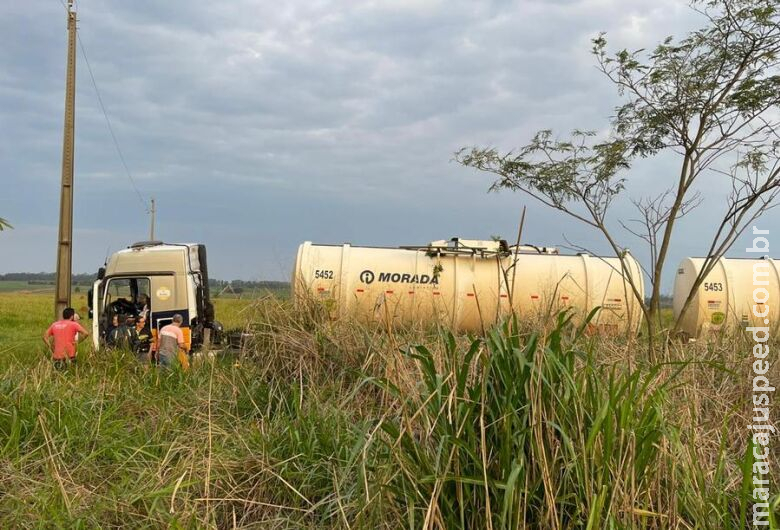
258,125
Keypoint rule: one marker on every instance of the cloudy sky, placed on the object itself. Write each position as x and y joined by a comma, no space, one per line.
258,125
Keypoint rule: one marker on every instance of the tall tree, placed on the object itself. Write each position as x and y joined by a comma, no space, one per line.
712,98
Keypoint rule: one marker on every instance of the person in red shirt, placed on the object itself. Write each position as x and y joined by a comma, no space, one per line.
62,336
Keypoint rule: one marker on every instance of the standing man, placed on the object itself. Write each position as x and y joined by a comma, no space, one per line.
171,341
142,306
65,334
143,339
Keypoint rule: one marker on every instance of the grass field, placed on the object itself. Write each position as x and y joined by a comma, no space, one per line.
10,286
7,286
333,424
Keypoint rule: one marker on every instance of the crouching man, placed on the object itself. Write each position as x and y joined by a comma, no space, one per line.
62,337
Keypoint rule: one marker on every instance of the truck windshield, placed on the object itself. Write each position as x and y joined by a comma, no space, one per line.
127,296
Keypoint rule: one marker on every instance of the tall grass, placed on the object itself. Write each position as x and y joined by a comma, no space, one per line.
321,424
533,432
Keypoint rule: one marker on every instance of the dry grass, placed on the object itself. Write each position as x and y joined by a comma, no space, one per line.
336,424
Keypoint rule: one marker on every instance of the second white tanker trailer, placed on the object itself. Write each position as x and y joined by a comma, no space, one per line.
737,292
465,284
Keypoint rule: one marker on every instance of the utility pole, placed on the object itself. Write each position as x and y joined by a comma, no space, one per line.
152,211
65,245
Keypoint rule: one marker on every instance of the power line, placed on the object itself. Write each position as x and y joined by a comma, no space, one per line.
110,128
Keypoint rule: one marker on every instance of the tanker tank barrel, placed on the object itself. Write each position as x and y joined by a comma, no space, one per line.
724,300
464,284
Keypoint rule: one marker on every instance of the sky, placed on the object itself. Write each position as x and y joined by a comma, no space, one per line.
259,125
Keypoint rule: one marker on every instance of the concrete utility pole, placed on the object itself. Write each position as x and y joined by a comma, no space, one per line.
152,211
65,245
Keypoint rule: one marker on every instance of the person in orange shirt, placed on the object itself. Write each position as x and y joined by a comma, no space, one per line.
62,336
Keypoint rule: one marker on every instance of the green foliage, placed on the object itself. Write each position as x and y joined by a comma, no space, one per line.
529,431
688,93
4,224
558,172
519,431
112,443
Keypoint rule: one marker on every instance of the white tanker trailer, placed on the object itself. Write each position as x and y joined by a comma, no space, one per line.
465,284
725,299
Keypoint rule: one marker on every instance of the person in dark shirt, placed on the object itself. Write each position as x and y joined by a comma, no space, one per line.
113,326
143,339
124,336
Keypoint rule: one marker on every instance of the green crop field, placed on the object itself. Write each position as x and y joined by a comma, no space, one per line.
12,286
321,424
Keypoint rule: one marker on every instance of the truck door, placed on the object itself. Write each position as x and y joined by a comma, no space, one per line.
117,296
167,300
97,310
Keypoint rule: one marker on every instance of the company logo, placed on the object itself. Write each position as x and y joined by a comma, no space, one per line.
163,293
367,277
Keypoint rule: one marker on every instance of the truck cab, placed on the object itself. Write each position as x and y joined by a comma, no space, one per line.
156,280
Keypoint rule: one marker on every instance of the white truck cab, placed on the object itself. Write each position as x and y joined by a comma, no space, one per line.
158,280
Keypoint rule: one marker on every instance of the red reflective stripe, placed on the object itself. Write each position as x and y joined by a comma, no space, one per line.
389,292
411,292
469,294
361,290
534,297
435,293
504,296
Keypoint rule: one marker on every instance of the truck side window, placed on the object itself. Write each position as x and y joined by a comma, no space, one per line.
123,294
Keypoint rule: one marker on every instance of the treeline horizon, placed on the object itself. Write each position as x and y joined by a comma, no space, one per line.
89,278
